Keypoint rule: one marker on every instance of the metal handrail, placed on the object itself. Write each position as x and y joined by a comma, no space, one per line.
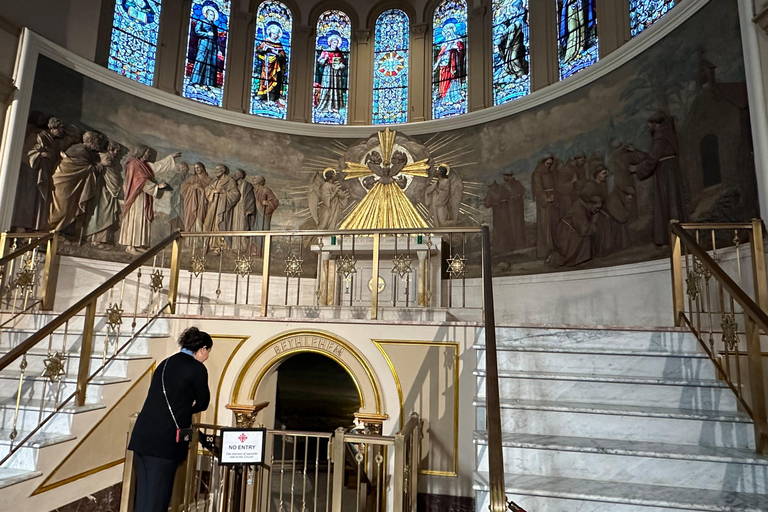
29,247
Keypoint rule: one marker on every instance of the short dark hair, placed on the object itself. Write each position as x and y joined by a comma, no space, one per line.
194,339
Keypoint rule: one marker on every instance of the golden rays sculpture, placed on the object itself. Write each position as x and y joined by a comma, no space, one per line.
386,206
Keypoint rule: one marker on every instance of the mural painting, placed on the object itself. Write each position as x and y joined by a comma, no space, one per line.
586,180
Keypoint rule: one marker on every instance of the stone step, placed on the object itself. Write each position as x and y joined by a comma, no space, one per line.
623,422
706,395
10,477
29,414
36,321
699,467
26,457
554,494
73,341
36,387
118,367
670,342
532,358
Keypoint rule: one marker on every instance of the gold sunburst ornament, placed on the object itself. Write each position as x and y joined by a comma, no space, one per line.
692,285
114,316
293,266
197,265
457,265
54,367
25,278
401,265
730,332
243,265
156,281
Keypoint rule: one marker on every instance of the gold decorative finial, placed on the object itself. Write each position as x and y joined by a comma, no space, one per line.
387,141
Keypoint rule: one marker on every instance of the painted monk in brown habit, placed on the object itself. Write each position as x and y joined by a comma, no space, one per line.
573,243
543,188
506,201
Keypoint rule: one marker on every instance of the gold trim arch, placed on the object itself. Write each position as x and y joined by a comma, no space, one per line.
272,352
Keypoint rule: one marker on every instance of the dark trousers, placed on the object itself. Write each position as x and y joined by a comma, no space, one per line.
154,483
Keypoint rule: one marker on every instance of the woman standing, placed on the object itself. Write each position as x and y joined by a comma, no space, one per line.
178,390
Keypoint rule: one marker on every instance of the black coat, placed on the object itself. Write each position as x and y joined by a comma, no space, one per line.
186,381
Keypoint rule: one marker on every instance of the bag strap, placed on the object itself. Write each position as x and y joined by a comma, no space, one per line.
165,394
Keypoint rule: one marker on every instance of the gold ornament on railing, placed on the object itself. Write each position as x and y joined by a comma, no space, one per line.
114,316
293,266
346,265
730,332
25,278
457,265
197,265
54,367
156,281
243,265
401,265
692,285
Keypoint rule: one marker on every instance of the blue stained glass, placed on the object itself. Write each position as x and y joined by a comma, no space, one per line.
271,60
511,68
449,54
577,35
207,51
390,68
644,13
133,46
330,92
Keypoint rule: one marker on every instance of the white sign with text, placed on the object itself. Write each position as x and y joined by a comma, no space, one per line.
242,446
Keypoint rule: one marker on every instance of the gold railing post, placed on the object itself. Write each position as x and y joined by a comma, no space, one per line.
3,243
173,285
338,469
398,485
415,458
50,273
189,480
265,274
676,264
83,371
756,384
758,264
375,277
129,481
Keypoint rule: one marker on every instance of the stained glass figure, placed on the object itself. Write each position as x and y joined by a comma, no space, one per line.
449,52
330,92
511,78
644,13
577,35
390,67
271,60
207,51
133,47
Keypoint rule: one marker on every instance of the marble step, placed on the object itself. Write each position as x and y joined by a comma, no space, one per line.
553,494
623,422
73,341
10,477
699,467
29,415
26,457
710,395
694,365
35,321
36,387
670,342
118,367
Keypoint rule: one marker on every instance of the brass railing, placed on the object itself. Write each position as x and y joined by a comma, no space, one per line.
727,320
28,272
308,471
67,344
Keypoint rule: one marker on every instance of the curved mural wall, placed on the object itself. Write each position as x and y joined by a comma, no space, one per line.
581,181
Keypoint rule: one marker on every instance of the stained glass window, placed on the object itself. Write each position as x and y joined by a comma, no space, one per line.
449,59
207,51
511,78
577,35
133,48
390,68
330,92
644,13
272,55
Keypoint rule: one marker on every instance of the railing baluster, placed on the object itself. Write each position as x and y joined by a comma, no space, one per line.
86,348
266,255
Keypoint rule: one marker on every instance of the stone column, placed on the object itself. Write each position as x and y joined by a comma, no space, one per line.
172,45
361,80
543,40
302,74
479,60
237,75
420,86
612,25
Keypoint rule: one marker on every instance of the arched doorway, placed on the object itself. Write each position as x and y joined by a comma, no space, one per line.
314,393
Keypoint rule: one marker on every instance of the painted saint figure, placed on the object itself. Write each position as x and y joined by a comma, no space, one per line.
543,189
33,189
331,77
140,190
450,66
266,204
507,202
205,69
195,202
105,210
512,43
326,199
242,214
573,236
273,62
619,206
443,196
572,30
221,195
175,180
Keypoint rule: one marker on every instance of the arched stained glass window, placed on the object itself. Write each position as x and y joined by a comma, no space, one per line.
511,78
330,93
644,13
207,51
449,59
271,59
133,47
390,67
576,35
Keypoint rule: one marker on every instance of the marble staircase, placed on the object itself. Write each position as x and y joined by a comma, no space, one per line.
620,421
39,394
